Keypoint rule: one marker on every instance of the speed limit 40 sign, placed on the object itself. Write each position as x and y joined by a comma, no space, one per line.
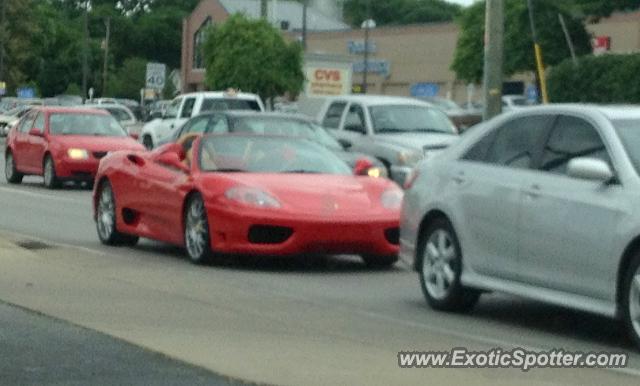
156,73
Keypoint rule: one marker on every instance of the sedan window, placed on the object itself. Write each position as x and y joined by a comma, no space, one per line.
571,138
517,141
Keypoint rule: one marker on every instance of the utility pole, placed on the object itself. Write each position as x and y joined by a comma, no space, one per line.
538,53
85,52
366,48
263,9
568,39
3,16
493,57
105,67
305,6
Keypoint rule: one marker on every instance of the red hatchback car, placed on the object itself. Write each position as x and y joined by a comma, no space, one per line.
63,144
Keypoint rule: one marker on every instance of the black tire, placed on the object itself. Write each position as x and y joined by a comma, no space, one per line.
444,265
379,262
631,301
10,172
147,142
197,240
106,219
51,180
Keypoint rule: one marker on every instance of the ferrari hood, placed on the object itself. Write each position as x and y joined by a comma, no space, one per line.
319,194
97,143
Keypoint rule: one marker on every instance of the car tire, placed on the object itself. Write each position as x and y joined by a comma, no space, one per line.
106,223
147,141
197,240
51,180
10,172
440,268
631,301
379,262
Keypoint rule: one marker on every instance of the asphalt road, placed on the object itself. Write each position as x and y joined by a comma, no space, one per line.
39,350
342,285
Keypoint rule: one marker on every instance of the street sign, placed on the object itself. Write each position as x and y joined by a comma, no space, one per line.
156,73
26,92
425,89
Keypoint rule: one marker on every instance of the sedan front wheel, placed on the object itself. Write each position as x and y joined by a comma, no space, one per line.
441,267
631,301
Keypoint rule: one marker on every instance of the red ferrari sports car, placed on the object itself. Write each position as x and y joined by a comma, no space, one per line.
63,144
247,195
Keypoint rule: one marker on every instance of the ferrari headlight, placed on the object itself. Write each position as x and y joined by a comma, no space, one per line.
77,154
392,198
407,157
252,196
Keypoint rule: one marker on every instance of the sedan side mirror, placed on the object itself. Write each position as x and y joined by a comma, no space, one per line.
345,143
590,169
36,132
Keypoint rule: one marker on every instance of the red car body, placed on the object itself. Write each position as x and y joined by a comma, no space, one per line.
319,213
30,145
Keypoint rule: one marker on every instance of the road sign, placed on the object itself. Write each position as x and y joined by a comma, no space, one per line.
156,73
26,92
425,89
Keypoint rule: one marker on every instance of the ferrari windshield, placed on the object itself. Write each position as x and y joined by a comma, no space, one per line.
410,118
85,124
285,126
261,154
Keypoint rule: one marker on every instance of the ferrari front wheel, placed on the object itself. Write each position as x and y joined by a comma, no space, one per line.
196,231
106,219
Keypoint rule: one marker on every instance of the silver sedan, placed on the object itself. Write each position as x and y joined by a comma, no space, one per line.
543,203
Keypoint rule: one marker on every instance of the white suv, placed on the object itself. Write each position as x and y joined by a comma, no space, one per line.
186,106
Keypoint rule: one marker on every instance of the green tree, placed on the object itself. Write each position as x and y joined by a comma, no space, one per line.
398,12
128,79
518,43
251,55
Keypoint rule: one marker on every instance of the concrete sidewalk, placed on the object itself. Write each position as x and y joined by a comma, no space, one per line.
200,316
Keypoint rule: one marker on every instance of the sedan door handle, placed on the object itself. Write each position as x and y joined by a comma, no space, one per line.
533,191
459,178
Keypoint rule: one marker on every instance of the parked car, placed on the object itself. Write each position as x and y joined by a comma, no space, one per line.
63,144
187,106
397,131
247,194
542,203
463,119
515,102
9,118
275,124
124,116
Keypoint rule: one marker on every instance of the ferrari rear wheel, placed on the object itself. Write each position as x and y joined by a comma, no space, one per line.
10,172
106,219
380,262
51,181
196,231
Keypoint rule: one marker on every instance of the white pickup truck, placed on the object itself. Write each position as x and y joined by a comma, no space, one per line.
183,107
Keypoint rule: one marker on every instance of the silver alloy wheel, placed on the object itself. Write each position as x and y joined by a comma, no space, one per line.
437,264
106,213
196,230
634,302
48,172
8,167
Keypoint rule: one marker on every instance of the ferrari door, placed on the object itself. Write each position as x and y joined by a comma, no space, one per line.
162,190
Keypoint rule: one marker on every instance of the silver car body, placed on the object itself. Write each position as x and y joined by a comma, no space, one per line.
401,151
529,232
